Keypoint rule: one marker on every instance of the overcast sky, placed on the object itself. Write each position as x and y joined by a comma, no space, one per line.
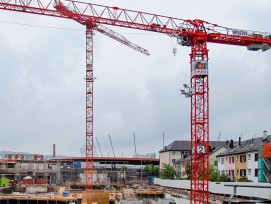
43,89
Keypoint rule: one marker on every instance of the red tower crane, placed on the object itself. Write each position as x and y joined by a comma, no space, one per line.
193,33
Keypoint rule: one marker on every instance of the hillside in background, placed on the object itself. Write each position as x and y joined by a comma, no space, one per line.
2,154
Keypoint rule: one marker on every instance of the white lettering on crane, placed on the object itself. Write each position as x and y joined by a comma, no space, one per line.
240,32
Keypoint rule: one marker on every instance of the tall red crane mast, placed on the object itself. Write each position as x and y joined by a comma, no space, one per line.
194,33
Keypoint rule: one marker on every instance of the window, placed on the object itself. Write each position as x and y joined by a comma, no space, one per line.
249,172
173,153
218,160
227,172
237,157
231,173
222,172
243,172
222,160
256,173
173,161
231,160
226,159
256,156
243,158
249,156
237,171
215,163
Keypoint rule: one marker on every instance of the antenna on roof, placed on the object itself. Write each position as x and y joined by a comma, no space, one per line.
163,139
219,134
252,139
240,139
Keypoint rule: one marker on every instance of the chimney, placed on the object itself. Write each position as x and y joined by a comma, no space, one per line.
240,142
54,150
264,135
231,144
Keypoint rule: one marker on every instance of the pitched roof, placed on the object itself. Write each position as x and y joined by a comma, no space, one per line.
246,146
189,157
184,145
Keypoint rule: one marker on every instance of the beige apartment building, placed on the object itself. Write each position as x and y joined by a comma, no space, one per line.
180,149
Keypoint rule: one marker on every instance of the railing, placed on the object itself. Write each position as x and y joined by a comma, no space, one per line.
243,186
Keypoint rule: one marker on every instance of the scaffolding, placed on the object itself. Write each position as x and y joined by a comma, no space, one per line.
41,171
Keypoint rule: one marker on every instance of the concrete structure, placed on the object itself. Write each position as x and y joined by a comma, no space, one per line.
69,170
222,188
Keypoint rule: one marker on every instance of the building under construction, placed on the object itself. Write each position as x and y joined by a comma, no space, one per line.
50,179
71,170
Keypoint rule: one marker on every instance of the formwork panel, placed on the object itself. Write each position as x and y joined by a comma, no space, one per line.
95,196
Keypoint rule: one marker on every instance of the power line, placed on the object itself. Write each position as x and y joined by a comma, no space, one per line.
39,26
59,28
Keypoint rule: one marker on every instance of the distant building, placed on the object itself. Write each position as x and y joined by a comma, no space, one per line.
147,155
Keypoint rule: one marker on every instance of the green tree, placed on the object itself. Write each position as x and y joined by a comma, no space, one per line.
124,168
213,173
223,178
244,179
188,170
167,172
151,169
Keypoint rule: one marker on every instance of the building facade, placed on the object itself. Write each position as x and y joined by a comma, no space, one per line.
241,162
181,164
180,149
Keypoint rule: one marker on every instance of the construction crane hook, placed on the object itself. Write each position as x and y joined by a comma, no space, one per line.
174,51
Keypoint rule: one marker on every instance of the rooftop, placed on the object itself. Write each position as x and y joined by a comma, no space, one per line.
184,145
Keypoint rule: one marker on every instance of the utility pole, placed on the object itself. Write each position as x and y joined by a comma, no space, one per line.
135,144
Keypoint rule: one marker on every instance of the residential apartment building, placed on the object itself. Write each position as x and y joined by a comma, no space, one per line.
181,167
182,163
252,166
174,151
180,149
241,161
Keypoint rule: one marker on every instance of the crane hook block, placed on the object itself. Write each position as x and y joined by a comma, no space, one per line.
174,50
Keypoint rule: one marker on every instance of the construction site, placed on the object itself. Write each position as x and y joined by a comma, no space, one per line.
59,180
90,179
